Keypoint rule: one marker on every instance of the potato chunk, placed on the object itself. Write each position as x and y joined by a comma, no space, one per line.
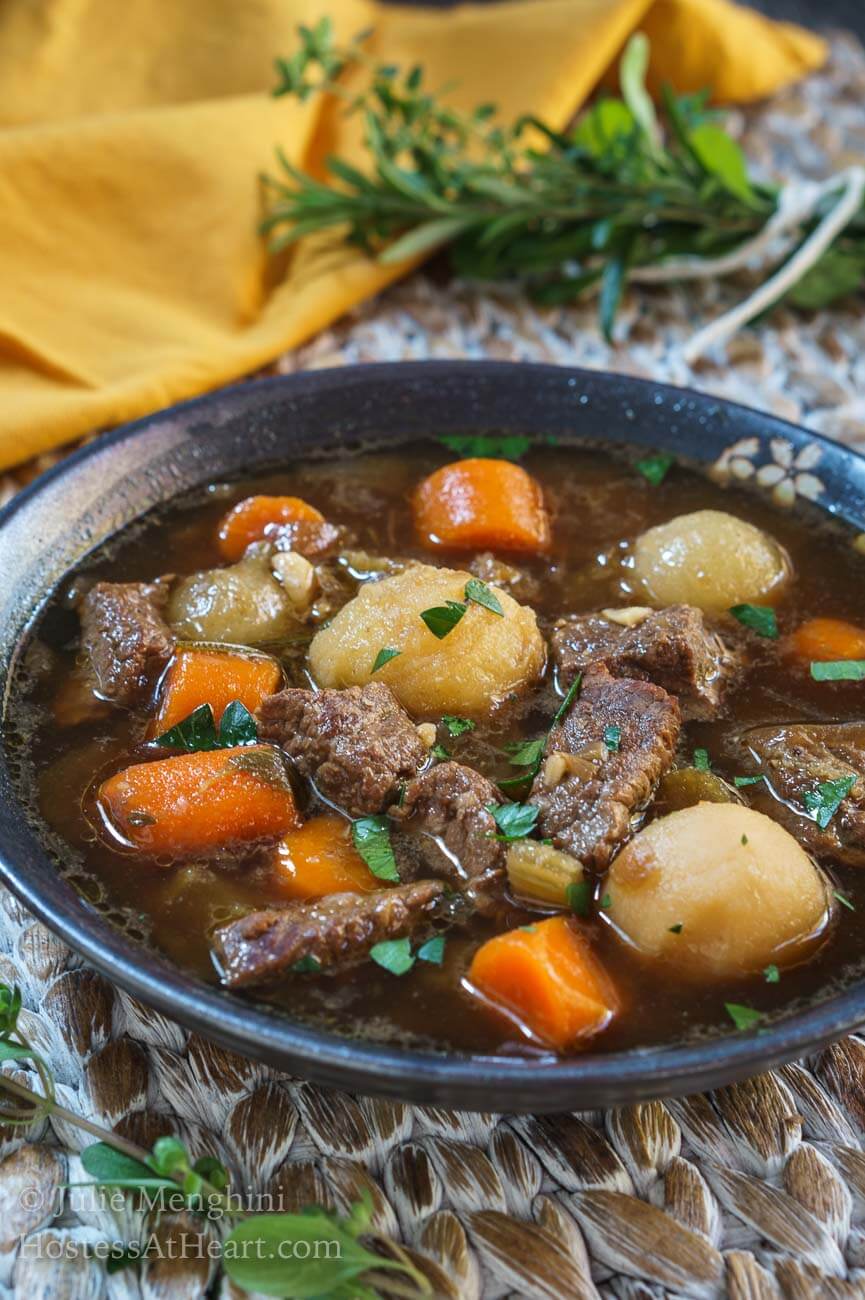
242,604
482,660
743,891
709,559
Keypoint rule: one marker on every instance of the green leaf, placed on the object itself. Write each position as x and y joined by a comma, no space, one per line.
612,287
110,1168
739,781
826,799
838,670
394,955
371,838
169,1156
654,469
457,726
609,122
632,77
525,753
677,928
572,693
701,760
433,950
514,820
741,1016
10,1007
442,619
837,274
759,618
843,899
771,975
307,965
424,239
505,447
198,732
579,897
720,156
383,657
613,738
237,726
439,752
481,594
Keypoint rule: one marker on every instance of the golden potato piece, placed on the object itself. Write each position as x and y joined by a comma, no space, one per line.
743,891
482,660
709,559
242,604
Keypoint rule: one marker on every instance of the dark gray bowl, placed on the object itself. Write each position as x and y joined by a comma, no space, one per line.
52,526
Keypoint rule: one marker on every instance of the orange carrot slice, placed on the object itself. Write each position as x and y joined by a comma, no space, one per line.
319,858
209,675
262,518
546,976
478,503
828,638
195,803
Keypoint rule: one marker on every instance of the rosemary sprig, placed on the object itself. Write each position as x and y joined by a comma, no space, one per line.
615,198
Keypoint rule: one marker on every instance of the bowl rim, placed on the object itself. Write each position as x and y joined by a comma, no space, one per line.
460,1081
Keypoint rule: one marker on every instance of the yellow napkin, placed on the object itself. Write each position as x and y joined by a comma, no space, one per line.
132,135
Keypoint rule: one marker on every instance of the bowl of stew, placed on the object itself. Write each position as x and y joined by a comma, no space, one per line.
471,733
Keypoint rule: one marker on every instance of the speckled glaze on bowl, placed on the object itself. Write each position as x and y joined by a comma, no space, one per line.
53,524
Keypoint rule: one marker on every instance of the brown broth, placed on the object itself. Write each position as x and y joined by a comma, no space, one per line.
599,504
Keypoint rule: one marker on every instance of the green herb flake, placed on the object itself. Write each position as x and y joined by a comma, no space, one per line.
455,726
442,619
394,955
677,928
606,901
307,965
433,950
579,897
371,838
742,1017
572,693
199,732
480,594
844,900
506,447
739,781
826,799
613,738
439,752
701,760
514,820
525,753
528,929
838,670
383,657
654,469
744,839
771,975
759,618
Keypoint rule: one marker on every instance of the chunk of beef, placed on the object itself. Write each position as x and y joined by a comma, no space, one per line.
357,745
672,647
517,582
127,641
798,759
450,802
590,796
334,931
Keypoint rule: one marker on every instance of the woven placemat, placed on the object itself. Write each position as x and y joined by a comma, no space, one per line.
756,1191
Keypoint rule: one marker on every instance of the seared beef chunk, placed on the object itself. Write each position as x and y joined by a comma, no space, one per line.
311,538
672,647
590,794
450,802
126,638
507,577
332,931
357,745
798,759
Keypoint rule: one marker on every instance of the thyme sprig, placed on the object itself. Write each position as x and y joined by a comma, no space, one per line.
613,198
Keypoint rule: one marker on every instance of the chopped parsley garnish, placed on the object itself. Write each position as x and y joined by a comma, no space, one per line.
742,1017
533,765
457,726
654,469
613,738
842,898
771,975
441,619
701,760
433,950
525,753
371,838
573,692
528,929
839,670
481,594
825,800
514,820
439,751
307,965
199,730
759,618
606,901
579,897
739,781
383,657
744,839
677,928
394,955
505,447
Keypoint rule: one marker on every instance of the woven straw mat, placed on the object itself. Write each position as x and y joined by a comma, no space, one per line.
756,1191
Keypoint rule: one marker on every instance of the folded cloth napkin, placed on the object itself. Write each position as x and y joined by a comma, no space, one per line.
131,140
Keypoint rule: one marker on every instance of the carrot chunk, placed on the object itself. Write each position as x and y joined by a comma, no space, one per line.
319,858
203,675
478,503
828,638
547,977
195,803
262,518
